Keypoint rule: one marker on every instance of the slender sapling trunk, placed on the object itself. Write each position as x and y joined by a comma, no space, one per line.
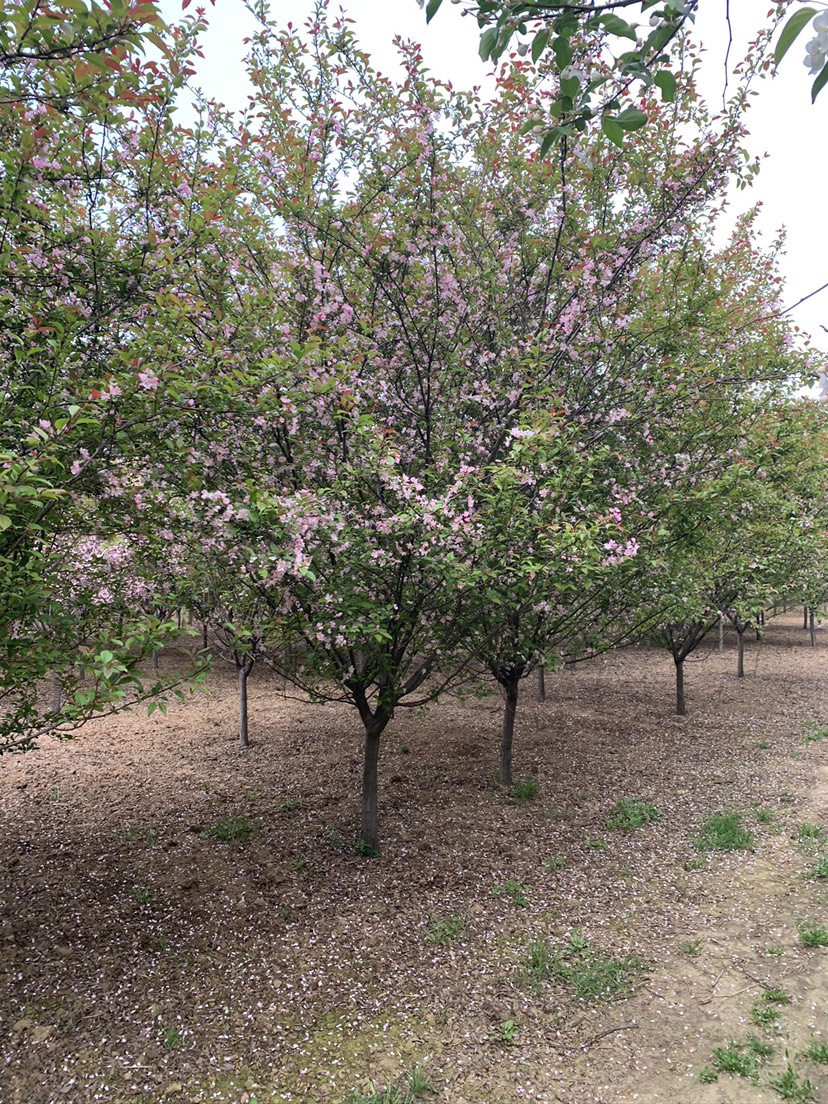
511,684
541,684
681,708
245,666
812,625
740,667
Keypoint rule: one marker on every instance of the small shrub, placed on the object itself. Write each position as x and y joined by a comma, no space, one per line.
514,889
818,1052
791,1086
527,789
229,830
724,832
630,814
366,850
813,935
442,932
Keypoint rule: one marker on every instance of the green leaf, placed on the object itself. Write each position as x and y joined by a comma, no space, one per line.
819,83
563,52
631,119
539,44
548,142
791,31
5,522
488,41
612,131
432,9
665,80
617,26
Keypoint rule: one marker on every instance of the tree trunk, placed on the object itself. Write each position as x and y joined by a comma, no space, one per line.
155,659
740,668
511,687
57,693
721,634
681,708
805,619
812,626
541,684
245,667
369,834
204,635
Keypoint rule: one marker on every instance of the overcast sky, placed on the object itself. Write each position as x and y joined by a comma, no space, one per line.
782,122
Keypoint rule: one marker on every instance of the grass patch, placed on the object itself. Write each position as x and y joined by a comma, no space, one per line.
821,869
229,830
630,813
738,1060
591,975
809,832
815,736
724,832
817,1052
766,1016
596,845
690,947
708,1076
791,1086
442,932
514,889
558,863
776,996
527,789
764,816
813,935
412,1088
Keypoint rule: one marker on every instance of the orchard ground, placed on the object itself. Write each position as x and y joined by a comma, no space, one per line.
144,958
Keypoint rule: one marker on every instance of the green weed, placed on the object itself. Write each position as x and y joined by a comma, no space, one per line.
229,830
764,816
817,1052
776,996
791,1086
812,935
724,832
596,845
507,1033
809,832
689,947
442,932
592,976
629,814
527,789
514,889
708,1076
558,863
821,869
765,1015
738,1060
171,1038
814,737
142,894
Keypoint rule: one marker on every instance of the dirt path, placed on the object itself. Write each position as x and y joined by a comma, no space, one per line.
142,960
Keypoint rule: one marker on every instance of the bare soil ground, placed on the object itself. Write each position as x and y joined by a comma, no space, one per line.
142,961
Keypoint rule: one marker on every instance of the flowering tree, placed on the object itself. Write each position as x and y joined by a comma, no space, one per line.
395,307
80,120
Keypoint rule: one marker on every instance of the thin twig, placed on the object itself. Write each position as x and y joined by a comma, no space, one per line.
609,1031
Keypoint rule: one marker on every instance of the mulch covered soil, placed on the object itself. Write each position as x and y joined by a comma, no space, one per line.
144,958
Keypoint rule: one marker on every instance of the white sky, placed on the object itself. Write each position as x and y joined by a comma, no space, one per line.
782,122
